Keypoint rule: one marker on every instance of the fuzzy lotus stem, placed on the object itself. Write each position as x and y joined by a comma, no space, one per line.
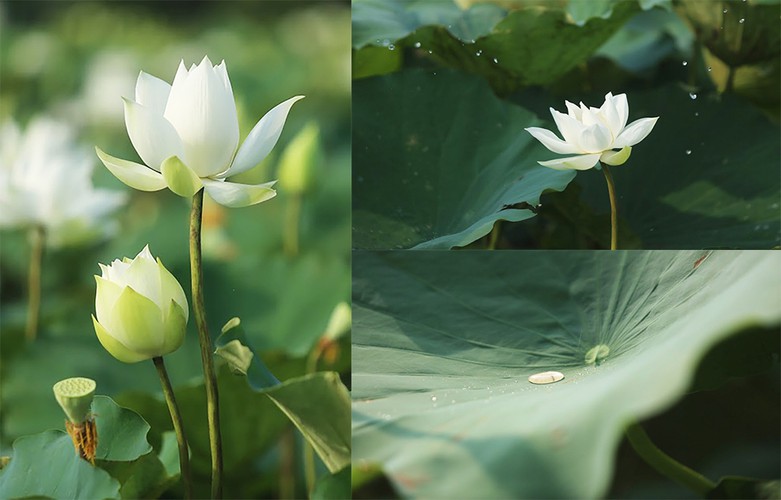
292,223
665,464
611,191
176,418
309,452
34,283
493,239
210,378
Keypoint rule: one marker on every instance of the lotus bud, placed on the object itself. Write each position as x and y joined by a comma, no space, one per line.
297,167
141,309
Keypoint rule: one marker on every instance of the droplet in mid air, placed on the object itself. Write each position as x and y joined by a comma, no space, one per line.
546,378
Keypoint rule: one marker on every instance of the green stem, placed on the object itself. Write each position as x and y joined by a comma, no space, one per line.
34,282
210,378
287,452
292,217
494,237
611,191
176,418
665,464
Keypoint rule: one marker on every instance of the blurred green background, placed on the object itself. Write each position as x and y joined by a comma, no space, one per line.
74,61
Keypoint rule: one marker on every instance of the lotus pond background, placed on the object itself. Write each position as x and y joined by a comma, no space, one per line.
442,92
74,60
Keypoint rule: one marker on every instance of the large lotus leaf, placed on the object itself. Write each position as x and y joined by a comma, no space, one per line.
707,176
533,45
434,169
46,465
444,344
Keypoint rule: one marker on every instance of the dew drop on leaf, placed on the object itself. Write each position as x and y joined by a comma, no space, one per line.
742,20
545,378
692,95
685,63
688,152
417,45
434,399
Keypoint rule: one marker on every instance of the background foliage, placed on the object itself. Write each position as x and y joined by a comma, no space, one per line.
75,60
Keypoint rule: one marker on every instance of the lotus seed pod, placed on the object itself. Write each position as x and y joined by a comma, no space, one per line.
546,378
299,160
74,396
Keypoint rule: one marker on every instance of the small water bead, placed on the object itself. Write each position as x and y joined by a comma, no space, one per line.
696,113
434,399
692,95
688,152
710,69
479,53
742,20
417,45
724,11
685,63
546,378
496,61
391,47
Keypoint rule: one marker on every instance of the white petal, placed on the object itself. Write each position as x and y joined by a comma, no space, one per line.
203,113
611,118
582,162
152,135
550,141
231,194
262,138
222,70
569,127
635,132
181,75
573,110
152,92
595,138
622,109
133,174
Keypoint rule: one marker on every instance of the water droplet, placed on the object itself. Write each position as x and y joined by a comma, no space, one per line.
391,47
496,61
688,152
710,69
417,45
742,20
430,52
479,53
692,95
434,398
685,63
696,113
724,11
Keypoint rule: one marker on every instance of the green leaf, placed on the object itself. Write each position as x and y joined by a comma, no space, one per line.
706,176
333,486
448,168
485,39
46,465
318,404
121,431
745,487
443,345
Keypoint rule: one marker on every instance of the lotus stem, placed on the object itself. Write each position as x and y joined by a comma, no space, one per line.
210,378
176,418
493,238
37,238
292,222
611,191
665,464
309,452
287,454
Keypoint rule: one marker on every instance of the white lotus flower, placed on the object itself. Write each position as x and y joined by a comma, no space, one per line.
187,134
46,181
594,135
141,309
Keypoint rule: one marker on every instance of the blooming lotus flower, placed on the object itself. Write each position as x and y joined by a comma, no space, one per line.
141,309
593,135
46,181
187,134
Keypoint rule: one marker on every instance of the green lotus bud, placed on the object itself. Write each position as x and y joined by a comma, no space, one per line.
75,397
140,307
340,321
299,160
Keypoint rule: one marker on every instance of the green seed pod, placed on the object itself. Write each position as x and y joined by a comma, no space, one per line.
74,396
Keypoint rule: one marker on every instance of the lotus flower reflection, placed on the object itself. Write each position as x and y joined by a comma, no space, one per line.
593,134
187,135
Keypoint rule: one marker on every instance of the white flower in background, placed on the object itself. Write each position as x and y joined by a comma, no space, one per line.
46,181
187,134
593,134
141,309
